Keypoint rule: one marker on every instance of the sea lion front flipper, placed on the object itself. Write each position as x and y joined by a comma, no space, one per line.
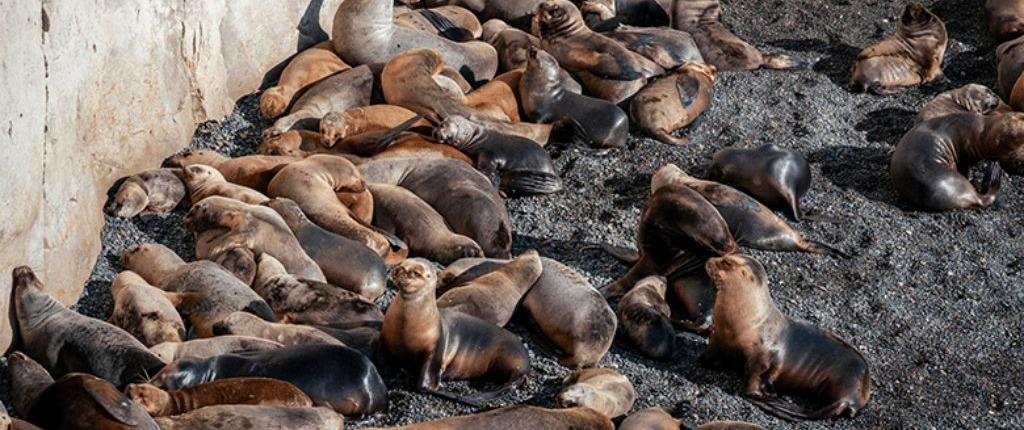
446,27
185,303
112,401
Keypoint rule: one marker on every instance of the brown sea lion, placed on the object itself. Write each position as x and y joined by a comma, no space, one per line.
674,101
80,401
968,98
204,181
495,99
410,80
206,348
151,191
644,318
304,70
344,90
28,379
234,391
601,15
913,56
779,354
303,301
64,341
246,324
244,417
147,312
8,423
517,13
778,177
495,296
1005,19
513,45
603,390
407,216
1010,56
667,47
517,417
253,171
340,124
444,344
661,419
719,46
221,291
452,22
364,32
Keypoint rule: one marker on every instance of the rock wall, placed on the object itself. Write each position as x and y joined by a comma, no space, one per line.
94,90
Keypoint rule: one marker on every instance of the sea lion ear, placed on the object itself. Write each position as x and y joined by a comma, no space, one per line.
112,401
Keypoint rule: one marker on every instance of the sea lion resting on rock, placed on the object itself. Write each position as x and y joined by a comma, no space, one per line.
341,124
204,181
206,348
674,101
644,319
253,171
778,177
147,312
913,56
603,390
495,296
661,419
719,46
668,48
410,80
246,324
407,216
1010,56
244,417
513,45
517,13
344,90
152,191
518,416
233,391
305,69
452,22
1005,19
968,98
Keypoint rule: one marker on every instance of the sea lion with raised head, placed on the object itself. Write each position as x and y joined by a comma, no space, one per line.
644,318
253,171
778,177
344,90
151,191
603,390
913,56
204,181
1005,19
702,19
147,312
494,297
206,348
968,98
245,417
305,69
304,301
233,391
407,216
674,101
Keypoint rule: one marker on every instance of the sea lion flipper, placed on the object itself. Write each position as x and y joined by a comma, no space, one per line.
446,27
184,302
114,402
622,253
689,90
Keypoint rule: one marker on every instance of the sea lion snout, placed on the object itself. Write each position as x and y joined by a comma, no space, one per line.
24,276
413,275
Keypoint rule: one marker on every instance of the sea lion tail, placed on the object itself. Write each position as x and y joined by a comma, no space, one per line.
782,61
446,27
792,412
824,248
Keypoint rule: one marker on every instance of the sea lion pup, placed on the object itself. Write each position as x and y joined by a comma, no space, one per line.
1005,19
495,296
752,224
338,125
147,312
518,416
667,47
220,290
968,98
206,348
246,324
305,69
364,32
515,165
452,22
674,101
28,380
719,46
151,191
242,417
303,301
780,354
444,344
778,177
603,390
64,341
607,69
465,198
234,391
644,318
340,91
930,165
204,181
220,223
253,171
346,380
1010,56
544,100
407,216
913,56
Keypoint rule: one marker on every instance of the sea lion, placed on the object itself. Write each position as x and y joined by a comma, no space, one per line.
244,417
495,296
240,261
452,22
544,100
667,47
968,98
913,56
8,423
513,44
221,223
147,312
1005,19
517,13
644,318
518,416
1010,56
496,99
338,125
780,354
221,291
303,301
931,164
64,341
444,344
28,380
343,90
345,380
607,14
778,177
661,419
515,165
204,181
151,191
465,198
364,32
410,80
702,19
304,70
206,348
79,401
407,216
233,391
674,101
603,390
253,171
246,324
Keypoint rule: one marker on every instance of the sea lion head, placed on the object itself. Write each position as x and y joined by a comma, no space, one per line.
183,373
215,212
150,260
669,174
735,270
200,156
288,143
579,395
556,17
131,198
333,127
456,131
539,60
915,17
415,276
31,301
976,98
200,173
152,399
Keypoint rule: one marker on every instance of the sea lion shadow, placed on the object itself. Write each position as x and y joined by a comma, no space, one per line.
886,125
864,170
837,57
628,190
310,33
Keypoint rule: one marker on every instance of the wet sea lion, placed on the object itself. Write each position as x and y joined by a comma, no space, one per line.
667,47
244,417
221,291
913,56
644,318
780,354
64,341
28,380
674,101
346,381
410,80
407,216
1005,19
338,125
233,391
514,164
304,301
518,416
444,344
1010,56
305,69
253,171
246,324
204,181
151,191
343,90
968,98
206,348
364,32
147,312
719,46
603,390
545,99
778,177
495,296
604,14
452,22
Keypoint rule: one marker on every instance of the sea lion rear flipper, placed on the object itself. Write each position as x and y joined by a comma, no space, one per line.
446,27
112,401
185,303
993,181
455,398
792,412
780,61
624,254
823,248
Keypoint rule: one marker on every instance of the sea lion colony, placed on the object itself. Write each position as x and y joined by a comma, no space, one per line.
394,144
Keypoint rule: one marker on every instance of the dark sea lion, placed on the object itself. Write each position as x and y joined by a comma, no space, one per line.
603,390
513,45
364,32
64,341
968,98
305,69
405,215
1010,56
778,177
643,315
442,344
204,181
233,391
221,291
601,15
674,101
246,324
147,312
245,417
719,46
151,191
304,301
253,171
79,401
545,99
515,165
1005,19
8,423
343,90
340,124
913,56
495,296
28,380
452,22
345,380
779,354
516,417
667,47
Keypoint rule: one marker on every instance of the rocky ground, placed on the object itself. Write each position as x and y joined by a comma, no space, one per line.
933,301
